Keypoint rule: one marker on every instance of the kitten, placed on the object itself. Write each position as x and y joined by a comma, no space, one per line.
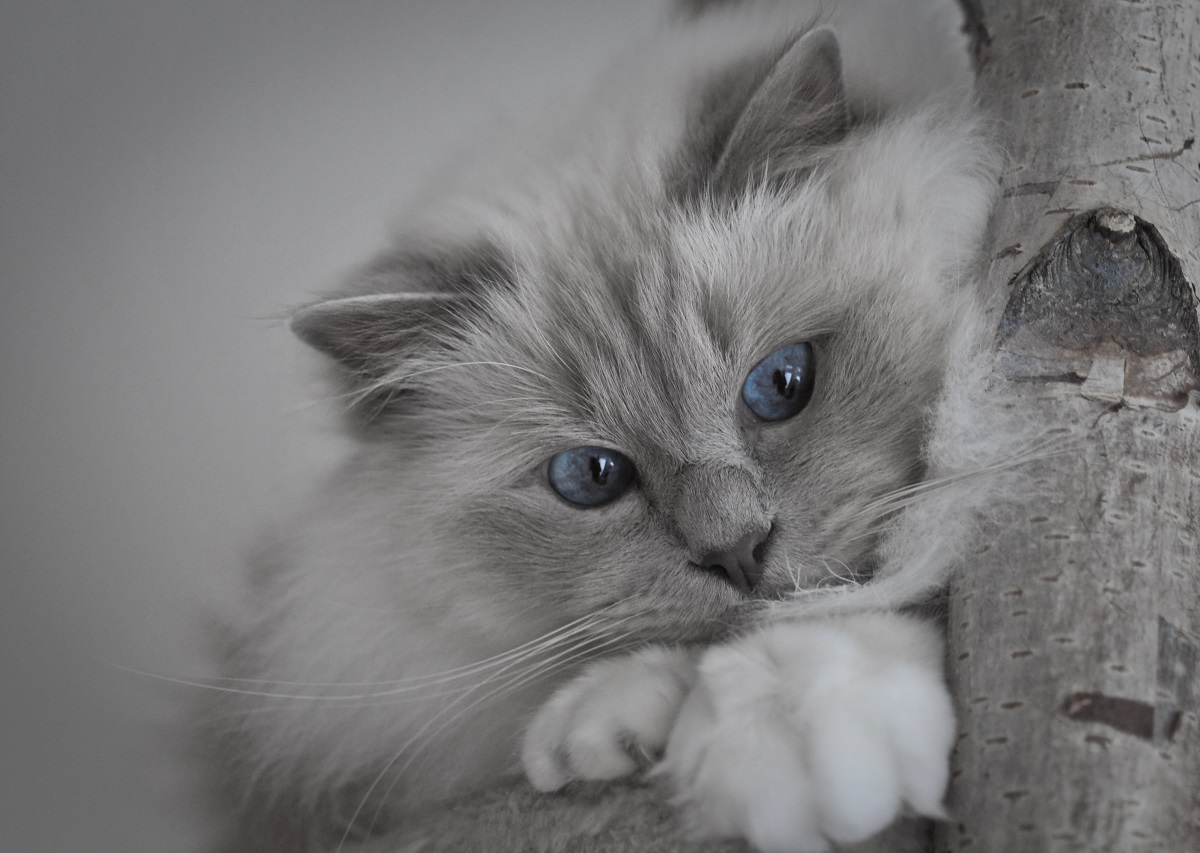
644,387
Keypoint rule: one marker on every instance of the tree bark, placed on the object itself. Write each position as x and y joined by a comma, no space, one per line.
1075,629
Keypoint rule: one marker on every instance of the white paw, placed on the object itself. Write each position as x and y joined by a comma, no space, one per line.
805,734
610,721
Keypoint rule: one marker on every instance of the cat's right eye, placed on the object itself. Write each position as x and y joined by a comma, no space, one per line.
590,476
781,384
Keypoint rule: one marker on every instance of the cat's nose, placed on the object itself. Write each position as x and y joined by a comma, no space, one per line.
741,562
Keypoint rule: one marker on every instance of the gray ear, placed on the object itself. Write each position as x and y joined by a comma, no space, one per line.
370,335
796,113
419,296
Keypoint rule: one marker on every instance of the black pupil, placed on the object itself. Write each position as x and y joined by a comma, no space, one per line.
785,381
600,466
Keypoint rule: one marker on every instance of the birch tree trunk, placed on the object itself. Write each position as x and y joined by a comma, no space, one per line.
1075,628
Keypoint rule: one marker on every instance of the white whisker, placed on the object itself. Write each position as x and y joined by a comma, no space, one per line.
554,662
580,625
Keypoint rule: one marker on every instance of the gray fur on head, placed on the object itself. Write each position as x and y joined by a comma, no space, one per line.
611,281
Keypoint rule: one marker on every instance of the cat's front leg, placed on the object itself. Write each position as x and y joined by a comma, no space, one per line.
611,720
809,733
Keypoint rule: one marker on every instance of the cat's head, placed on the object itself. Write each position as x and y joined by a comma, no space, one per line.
673,370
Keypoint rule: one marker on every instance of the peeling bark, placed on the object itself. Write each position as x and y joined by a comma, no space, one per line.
1075,628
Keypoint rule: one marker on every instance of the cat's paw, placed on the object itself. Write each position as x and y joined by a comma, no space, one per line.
612,720
804,734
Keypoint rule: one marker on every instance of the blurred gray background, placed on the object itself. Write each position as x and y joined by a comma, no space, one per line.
174,175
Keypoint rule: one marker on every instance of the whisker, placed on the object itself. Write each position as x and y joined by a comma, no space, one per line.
578,654
795,573
393,697
543,669
897,499
850,576
512,684
399,685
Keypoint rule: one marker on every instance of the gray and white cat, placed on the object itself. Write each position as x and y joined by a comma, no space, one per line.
640,397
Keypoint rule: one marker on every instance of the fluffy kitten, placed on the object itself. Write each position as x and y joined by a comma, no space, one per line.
655,373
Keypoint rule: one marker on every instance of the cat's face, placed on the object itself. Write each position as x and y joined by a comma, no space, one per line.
624,326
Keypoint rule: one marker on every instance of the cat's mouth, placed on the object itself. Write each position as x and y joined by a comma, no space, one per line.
719,574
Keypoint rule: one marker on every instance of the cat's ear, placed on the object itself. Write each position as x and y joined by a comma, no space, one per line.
794,116
377,344
368,336
419,298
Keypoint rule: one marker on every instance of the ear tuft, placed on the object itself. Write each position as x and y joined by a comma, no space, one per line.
369,335
796,114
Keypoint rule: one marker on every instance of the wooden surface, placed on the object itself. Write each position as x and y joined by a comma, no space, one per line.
589,818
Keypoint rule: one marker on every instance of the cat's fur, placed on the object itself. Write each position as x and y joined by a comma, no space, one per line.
608,277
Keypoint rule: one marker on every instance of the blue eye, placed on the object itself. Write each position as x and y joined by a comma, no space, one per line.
590,476
781,384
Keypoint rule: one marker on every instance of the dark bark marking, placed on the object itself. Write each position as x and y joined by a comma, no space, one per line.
1158,155
1125,715
1040,188
1069,378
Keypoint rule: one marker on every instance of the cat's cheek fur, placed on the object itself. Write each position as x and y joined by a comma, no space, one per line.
809,733
610,721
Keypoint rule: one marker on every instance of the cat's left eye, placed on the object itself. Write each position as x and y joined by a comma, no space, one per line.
781,384
590,476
